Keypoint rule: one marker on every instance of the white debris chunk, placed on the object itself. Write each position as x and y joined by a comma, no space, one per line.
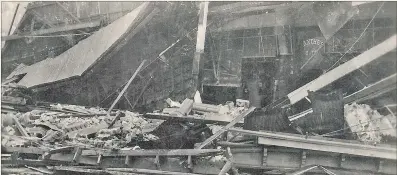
368,124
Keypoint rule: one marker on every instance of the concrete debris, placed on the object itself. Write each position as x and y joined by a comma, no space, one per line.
197,97
206,109
242,103
367,124
173,103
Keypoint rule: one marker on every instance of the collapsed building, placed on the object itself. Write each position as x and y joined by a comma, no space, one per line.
311,85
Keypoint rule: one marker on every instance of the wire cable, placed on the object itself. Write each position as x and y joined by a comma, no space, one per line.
362,34
373,17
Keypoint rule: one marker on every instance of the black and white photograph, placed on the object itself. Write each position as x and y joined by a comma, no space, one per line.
198,87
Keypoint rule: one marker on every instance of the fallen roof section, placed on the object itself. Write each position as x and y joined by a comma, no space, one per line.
75,61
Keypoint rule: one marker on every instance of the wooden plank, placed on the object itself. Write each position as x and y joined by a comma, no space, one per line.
13,19
14,170
20,128
117,117
226,168
344,69
13,100
125,87
66,149
385,83
207,119
201,30
147,171
30,150
80,115
225,128
141,93
237,6
318,144
151,152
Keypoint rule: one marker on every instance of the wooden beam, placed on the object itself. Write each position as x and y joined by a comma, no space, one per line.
151,152
201,31
117,117
13,19
141,93
344,69
388,83
53,30
20,128
207,119
321,144
225,128
237,6
125,87
30,150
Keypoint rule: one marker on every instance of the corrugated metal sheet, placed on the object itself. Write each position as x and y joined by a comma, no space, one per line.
75,61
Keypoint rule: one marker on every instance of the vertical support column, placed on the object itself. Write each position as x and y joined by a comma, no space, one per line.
201,30
127,160
303,158
157,162
99,160
264,158
342,159
380,166
190,163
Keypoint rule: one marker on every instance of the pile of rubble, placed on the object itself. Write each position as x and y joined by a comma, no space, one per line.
368,125
52,138
75,124
57,131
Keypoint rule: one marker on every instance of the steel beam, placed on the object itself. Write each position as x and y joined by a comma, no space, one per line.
317,143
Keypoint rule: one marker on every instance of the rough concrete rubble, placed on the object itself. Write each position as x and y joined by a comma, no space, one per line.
367,124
